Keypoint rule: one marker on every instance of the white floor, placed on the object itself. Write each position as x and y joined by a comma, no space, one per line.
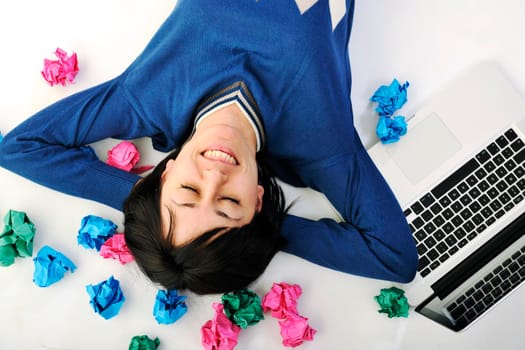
424,42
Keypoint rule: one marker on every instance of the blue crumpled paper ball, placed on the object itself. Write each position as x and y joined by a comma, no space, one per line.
169,306
50,266
106,298
390,98
389,130
94,231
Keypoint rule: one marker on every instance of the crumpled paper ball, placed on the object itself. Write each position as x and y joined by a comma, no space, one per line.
282,299
392,302
94,231
62,70
115,247
16,239
295,330
243,307
219,333
143,342
125,156
169,306
50,266
389,130
106,298
390,98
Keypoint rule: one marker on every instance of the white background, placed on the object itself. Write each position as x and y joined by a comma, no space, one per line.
424,42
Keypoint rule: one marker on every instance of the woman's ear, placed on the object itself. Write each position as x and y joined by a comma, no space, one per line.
168,166
260,193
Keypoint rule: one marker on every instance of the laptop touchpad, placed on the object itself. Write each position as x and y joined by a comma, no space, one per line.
424,148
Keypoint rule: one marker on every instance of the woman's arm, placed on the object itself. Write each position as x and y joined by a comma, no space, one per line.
374,239
48,147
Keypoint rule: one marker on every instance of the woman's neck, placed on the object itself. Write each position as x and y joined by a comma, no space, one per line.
233,116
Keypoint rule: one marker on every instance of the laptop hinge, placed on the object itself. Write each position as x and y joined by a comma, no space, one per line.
484,254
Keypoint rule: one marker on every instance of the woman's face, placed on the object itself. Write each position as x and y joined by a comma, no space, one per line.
212,183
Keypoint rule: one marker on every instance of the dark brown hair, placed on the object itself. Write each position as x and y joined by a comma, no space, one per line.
229,261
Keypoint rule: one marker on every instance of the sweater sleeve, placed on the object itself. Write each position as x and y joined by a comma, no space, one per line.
48,148
374,239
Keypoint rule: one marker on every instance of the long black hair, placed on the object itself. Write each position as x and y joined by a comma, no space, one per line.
229,261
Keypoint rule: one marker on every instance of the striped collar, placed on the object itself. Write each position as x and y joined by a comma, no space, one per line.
239,94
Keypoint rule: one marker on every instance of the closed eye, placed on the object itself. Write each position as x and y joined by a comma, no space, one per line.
233,200
189,188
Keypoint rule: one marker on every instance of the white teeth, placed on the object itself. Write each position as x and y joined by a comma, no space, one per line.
219,155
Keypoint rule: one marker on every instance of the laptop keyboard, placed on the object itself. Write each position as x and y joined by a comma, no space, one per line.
488,290
471,199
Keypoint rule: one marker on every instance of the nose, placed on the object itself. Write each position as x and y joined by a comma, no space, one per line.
214,176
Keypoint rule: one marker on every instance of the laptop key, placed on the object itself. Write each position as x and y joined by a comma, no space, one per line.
498,159
420,235
479,308
488,299
423,262
489,166
458,311
432,254
417,207
520,156
483,156
493,148
444,201
517,145
510,134
442,247
439,235
511,179
444,257
427,200
462,243
502,141
510,164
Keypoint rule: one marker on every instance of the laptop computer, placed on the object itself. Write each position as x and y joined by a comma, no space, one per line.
459,176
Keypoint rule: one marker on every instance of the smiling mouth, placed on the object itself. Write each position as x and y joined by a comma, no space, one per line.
218,155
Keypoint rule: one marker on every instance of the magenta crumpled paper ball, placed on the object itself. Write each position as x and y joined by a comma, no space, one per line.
219,333
62,70
124,156
295,330
282,299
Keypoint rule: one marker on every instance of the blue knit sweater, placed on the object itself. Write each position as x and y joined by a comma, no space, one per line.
295,67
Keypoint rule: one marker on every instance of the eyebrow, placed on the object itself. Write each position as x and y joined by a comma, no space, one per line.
218,212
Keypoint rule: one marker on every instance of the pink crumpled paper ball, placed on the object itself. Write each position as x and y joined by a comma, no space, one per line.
62,70
282,299
219,333
115,248
125,156
295,330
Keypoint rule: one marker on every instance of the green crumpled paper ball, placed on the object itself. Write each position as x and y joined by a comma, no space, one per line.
243,307
16,239
392,302
143,342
